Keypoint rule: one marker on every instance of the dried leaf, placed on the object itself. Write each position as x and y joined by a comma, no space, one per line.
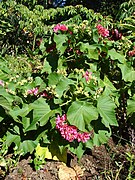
79,171
66,173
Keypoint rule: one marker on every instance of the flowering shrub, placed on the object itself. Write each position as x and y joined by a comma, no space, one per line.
63,84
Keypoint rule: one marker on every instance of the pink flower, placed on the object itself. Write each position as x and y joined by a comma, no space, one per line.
102,31
84,137
70,32
60,27
33,91
87,76
78,52
68,132
1,83
132,53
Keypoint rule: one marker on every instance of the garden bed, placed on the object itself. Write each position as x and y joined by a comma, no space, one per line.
104,162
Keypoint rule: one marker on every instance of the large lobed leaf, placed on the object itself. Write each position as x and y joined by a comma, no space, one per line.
41,113
106,108
81,113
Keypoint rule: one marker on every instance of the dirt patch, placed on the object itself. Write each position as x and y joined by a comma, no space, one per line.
104,162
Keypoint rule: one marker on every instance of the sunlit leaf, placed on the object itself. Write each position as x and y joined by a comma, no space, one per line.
115,55
128,73
131,105
60,39
28,146
106,108
81,113
41,113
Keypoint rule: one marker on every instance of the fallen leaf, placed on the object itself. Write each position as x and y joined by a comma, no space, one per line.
66,173
79,171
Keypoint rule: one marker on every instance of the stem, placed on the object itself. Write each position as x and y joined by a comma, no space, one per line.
65,103
34,40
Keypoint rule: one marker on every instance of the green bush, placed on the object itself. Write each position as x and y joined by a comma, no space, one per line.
66,79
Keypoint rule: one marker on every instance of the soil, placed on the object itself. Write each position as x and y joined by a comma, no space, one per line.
101,163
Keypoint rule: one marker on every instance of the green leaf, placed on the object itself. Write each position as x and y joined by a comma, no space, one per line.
79,150
17,111
12,138
89,144
44,153
114,55
60,39
41,113
6,95
92,54
128,26
101,138
25,122
131,105
4,103
46,67
90,50
128,73
106,108
28,146
110,90
63,85
81,113
1,118
58,151
54,78
95,35
38,81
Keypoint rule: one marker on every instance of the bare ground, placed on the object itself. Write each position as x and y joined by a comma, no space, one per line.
101,163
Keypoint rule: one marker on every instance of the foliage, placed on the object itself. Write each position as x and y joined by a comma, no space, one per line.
55,62
126,10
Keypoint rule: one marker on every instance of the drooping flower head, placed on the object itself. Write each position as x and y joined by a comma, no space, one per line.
102,31
70,132
115,35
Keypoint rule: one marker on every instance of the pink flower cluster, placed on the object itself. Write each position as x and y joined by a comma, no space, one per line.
60,27
87,76
102,31
70,133
35,91
132,53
